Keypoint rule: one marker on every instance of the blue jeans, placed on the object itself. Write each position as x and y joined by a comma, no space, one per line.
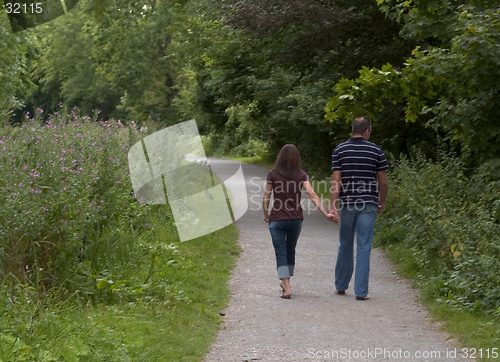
362,221
285,234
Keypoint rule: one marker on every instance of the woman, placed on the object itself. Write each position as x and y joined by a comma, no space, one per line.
286,181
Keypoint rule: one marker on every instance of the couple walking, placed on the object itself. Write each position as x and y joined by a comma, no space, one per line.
358,192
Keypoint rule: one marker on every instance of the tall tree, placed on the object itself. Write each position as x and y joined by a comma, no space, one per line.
14,83
451,86
111,55
271,77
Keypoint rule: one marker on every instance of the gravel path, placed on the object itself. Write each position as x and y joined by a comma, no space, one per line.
317,324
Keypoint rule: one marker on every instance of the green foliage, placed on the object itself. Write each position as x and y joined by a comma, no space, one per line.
321,39
424,19
366,94
449,84
14,80
151,324
461,77
449,225
66,68
432,21
63,184
86,272
250,81
112,56
267,76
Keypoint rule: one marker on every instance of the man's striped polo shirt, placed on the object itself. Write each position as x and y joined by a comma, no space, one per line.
358,161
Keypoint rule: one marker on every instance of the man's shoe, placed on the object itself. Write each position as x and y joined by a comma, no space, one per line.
341,292
362,298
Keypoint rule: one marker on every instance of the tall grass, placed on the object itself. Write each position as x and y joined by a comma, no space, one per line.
61,185
86,272
451,223
442,227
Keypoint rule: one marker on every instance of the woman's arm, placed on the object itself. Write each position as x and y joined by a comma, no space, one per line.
316,201
266,200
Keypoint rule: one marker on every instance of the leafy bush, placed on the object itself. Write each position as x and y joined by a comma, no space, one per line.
449,222
86,272
64,186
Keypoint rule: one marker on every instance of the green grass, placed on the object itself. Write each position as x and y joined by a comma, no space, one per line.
180,327
86,272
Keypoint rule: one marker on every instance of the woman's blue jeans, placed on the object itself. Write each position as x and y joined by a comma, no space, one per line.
362,222
285,234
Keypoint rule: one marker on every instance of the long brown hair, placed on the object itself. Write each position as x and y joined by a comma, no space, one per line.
288,163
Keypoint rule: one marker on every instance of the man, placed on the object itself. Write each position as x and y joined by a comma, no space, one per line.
359,185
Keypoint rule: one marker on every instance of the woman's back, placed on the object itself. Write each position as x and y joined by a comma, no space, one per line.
287,195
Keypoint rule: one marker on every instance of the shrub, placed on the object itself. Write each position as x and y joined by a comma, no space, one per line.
450,224
63,186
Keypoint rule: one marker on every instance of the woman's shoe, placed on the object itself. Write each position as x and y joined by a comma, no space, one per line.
285,296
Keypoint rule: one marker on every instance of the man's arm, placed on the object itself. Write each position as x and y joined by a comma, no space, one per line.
334,192
382,189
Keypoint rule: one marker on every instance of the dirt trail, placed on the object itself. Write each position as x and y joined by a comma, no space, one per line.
317,324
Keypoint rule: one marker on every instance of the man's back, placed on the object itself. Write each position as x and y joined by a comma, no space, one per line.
359,160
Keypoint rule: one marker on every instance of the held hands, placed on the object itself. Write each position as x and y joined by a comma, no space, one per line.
333,216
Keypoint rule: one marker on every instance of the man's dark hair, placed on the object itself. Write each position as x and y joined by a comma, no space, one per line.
288,163
360,125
